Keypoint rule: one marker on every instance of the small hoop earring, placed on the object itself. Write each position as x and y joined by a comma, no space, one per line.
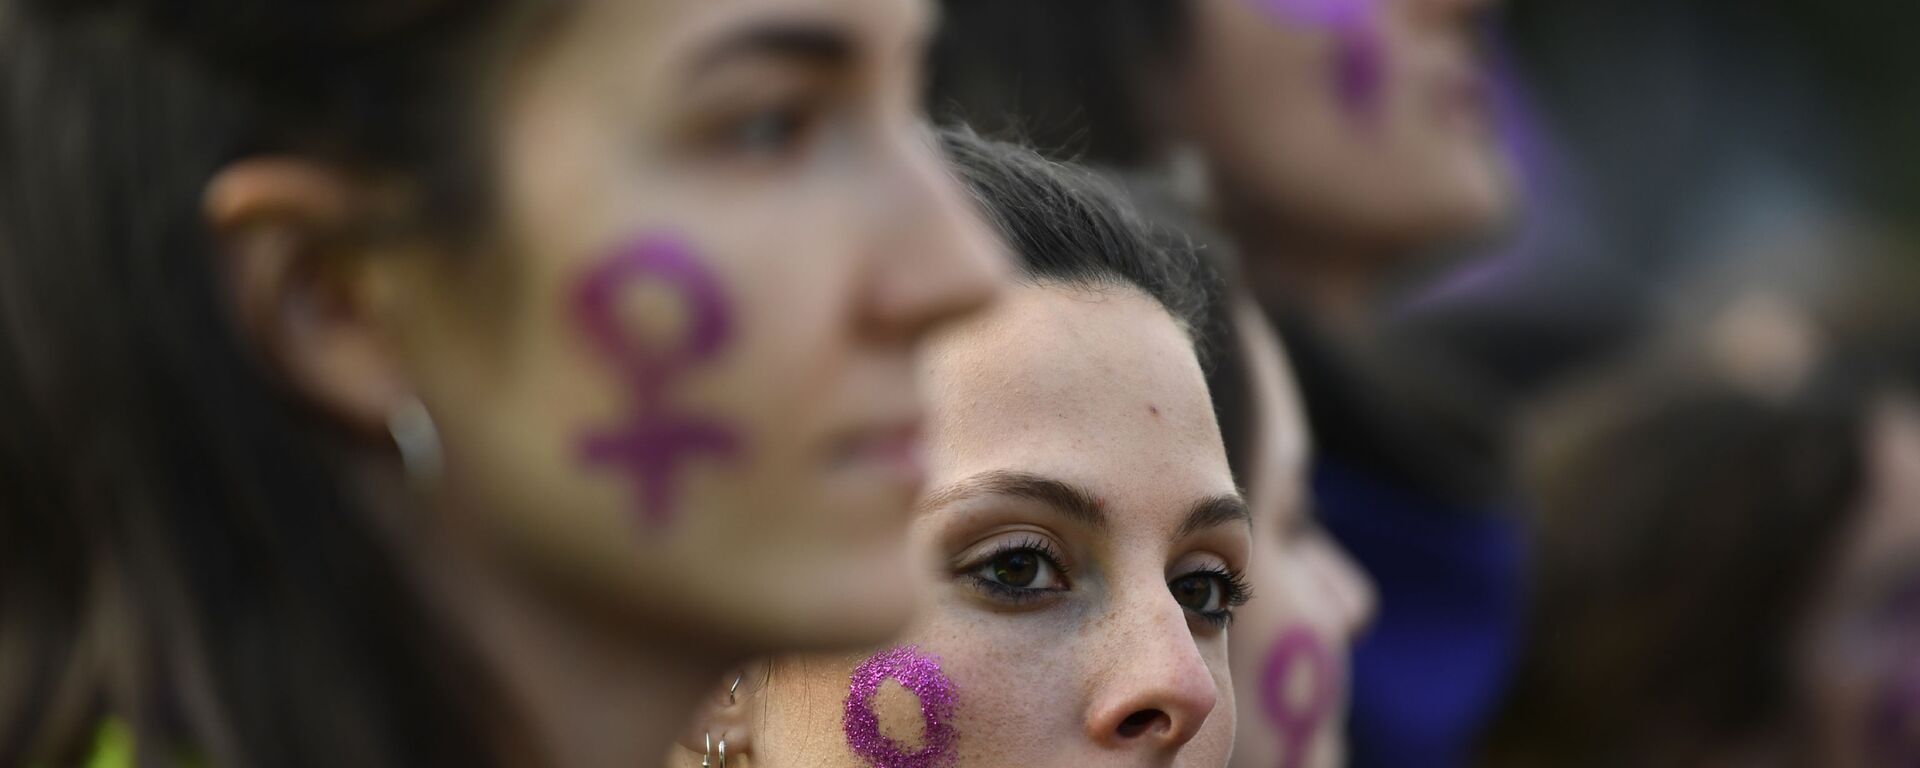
418,439
723,750
732,689
707,760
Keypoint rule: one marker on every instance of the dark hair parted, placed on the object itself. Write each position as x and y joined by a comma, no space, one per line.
1080,78
180,544
1066,225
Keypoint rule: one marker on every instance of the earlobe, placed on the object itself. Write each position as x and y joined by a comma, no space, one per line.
302,295
727,716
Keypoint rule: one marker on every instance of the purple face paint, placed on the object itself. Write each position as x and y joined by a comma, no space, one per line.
918,673
1299,652
1359,66
656,439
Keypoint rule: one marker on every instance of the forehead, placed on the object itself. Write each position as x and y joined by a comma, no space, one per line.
1096,387
666,29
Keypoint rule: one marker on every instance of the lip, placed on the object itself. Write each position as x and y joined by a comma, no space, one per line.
1464,99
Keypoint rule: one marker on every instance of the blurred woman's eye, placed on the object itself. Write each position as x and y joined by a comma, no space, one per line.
1211,595
1022,570
770,131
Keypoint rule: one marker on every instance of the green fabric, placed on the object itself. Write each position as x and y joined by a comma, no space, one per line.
113,746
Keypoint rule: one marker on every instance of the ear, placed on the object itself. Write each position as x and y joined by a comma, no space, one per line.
730,713
306,295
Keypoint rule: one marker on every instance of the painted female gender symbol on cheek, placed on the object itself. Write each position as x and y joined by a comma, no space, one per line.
919,674
1299,652
656,440
1359,57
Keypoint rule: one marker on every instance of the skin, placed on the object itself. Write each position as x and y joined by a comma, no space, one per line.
1100,390
779,144
1864,634
1342,192
1305,581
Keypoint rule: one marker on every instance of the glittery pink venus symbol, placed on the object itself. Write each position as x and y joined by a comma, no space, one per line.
656,440
918,673
1298,652
1360,57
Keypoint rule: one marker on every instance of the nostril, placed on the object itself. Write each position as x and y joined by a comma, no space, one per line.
1139,723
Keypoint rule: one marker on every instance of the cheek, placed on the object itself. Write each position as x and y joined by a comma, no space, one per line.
1300,682
935,698
654,442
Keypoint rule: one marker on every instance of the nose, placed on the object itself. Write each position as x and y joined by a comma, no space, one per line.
1153,690
938,259
1350,586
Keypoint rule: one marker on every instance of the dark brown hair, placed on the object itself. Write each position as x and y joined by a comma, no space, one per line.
1683,521
179,546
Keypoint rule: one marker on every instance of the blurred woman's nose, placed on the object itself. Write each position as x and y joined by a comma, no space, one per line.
937,259
1153,690
1350,586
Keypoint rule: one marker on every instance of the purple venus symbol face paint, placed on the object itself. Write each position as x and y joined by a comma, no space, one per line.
1359,55
1298,652
918,673
656,440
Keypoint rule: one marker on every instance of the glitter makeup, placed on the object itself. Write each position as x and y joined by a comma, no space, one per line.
1298,652
1359,56
920,674
656,439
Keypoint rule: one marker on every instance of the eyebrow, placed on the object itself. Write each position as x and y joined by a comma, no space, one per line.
1212,511
816,43
1078,503
1066,498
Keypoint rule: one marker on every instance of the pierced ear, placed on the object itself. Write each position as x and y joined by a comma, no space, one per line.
306,299
729,713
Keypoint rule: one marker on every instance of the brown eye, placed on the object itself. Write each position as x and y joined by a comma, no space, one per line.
1199,593
1016,569
1019,571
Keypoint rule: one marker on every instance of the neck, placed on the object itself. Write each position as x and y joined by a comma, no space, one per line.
1333,279
583,687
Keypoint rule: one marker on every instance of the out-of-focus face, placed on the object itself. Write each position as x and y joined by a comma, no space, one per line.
1862,655
1355,120
1291,646
1084,539
684,386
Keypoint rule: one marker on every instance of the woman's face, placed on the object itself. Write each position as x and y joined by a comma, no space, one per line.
685,384
1290,647
1862,654
1365,119
1083,541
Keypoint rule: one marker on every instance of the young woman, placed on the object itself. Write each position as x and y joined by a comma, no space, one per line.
1726,568
394,384
1335,145
1083,540
1292,647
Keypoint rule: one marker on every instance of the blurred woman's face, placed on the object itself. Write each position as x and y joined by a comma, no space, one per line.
1085,541
1352,119
1291,646
686,386
1862,663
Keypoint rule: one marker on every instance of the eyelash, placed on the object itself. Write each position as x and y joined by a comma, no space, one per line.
1018,595
1238,592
